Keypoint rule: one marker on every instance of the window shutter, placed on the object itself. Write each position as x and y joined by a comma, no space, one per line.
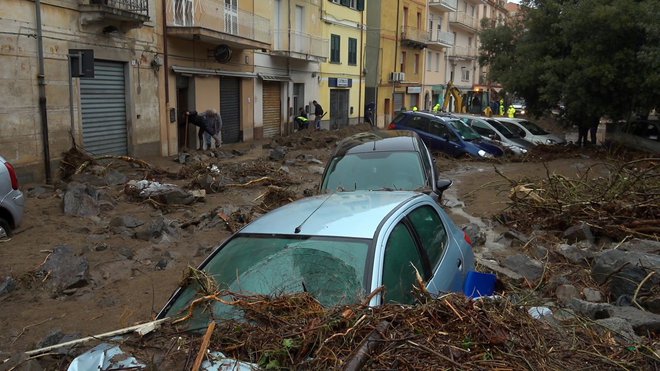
346,2
360,5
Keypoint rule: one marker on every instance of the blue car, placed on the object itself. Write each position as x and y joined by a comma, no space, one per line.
447,134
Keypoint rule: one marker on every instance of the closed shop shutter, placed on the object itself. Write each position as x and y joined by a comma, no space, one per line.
103,109
230,109
272,111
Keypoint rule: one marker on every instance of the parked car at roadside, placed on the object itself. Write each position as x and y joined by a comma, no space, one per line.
496,131
383,160
12,201
530,131
447,134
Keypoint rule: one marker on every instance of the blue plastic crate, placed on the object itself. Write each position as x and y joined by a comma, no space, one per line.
479,284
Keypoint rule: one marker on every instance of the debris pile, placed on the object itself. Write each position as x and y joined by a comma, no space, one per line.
622,202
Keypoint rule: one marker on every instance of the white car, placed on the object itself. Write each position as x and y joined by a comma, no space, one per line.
530,131
12,201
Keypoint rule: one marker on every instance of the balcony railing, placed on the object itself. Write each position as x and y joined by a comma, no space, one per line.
463,51
464,19
301,43
131,6
414,34
448,5
214,15
441,37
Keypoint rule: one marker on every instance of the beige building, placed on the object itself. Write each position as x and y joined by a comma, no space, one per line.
43,112
439,44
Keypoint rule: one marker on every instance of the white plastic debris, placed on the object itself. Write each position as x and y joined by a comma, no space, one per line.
105,357
539,312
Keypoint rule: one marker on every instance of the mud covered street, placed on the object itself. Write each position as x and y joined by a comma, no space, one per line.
124,250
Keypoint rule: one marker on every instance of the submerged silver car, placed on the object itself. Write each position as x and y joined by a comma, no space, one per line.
12,201
339,247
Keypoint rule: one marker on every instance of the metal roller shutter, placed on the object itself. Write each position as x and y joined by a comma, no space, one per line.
230,109
103,108
272,111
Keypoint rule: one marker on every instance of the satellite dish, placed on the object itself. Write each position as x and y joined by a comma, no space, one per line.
222,53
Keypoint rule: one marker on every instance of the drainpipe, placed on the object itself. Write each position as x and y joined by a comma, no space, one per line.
165,59
42,93
361,63
396,49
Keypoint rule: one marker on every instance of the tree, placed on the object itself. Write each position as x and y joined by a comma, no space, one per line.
599,57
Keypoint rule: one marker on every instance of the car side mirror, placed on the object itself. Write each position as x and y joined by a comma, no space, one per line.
442,185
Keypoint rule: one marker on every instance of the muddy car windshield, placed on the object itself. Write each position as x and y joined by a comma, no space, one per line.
466,132
400,170
533,128
331,269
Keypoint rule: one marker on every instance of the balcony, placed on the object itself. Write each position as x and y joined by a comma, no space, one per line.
300,45
463,20
446,5
440,39
414,37
462,52
122,14
213,22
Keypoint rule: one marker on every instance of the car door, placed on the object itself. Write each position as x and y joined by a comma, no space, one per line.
419,243
444,139
420,125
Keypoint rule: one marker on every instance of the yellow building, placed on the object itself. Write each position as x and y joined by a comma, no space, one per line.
341,84
396,39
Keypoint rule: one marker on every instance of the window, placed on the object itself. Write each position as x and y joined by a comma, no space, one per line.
335,45
418,122
419,20
429,60
437,62
183,13
352,51
404,21
416,66
401,255
403,62
431,232
469,42
465,74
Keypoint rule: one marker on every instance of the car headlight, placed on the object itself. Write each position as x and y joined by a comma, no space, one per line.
483,153
519,149
522,111
550,141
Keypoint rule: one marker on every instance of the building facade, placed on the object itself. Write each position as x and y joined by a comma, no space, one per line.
112,108
440,42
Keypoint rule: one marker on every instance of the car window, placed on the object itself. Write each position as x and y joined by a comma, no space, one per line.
398,118
465,131
418,122
502,129
370,171
431,231
482,129
514,128
426,161
439,129
533,128
401,255
331,269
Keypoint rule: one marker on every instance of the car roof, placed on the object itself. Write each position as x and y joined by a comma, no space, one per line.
356,214
378,141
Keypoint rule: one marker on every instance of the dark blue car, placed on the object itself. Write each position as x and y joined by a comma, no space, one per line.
447,134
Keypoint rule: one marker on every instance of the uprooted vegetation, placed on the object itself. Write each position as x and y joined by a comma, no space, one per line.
450,332
616,200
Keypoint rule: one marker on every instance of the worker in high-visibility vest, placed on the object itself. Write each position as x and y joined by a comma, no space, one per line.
302,122
414,108
511,112
436,108
501,106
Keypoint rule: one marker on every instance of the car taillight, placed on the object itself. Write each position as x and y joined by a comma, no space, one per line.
467,238
12,175
391,126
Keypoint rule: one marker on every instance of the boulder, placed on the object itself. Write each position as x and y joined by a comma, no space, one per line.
128,221
64,270
642,322
573,254
7,285
579,232
525,266
621,328
81,200
592,295
277,154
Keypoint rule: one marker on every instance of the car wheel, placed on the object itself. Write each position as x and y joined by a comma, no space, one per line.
5,230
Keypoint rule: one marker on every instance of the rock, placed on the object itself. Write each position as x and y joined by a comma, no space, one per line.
163,193
623,271
315,169
182,158
162,264
277,154
525,266
114,177
572,254
101,247
495,267
284,169
7,285
592,295
158,226
474,232
516,236
579,232
620,327
64,270
58,337
643,322
565,293
539,252
80,200
127,252
127,221
641,246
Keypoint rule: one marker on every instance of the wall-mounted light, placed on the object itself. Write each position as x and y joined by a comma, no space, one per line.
156,63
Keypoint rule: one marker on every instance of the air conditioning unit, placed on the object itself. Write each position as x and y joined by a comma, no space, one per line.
397,76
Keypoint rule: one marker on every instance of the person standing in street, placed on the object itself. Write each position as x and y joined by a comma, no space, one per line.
318,114
214,122
202,123
501,106
593,130
511,112
302,122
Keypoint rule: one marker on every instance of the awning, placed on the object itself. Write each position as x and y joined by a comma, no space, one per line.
210,72
274,77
